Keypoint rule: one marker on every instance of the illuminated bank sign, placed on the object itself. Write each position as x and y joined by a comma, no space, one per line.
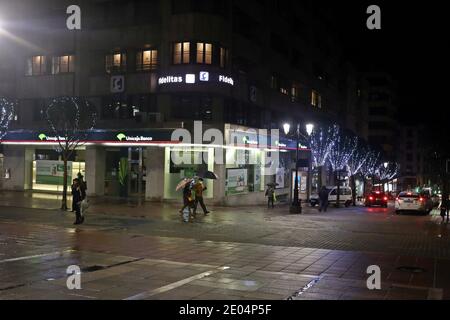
44,137
138,138
170,79
191,78
226,79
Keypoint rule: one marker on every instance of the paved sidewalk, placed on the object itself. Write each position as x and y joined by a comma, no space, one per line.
127,252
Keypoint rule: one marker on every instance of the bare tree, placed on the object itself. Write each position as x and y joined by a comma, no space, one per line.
342,150
71,120
355,164
370,166
321,142
387,173
6,116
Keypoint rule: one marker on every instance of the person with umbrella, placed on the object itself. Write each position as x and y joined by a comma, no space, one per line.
198,189
187,196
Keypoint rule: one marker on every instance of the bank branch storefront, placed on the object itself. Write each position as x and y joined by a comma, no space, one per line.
139,163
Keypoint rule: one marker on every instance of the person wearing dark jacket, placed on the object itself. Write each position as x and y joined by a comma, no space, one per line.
323,198
78,195
187,198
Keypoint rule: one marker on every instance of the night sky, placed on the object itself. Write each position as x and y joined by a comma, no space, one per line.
411,46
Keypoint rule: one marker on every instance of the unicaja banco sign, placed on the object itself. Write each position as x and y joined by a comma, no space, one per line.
124,137
44,137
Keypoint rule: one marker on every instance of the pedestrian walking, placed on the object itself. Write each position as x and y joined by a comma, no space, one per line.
270,194
323,199
78,195
198,190
188,202
445,208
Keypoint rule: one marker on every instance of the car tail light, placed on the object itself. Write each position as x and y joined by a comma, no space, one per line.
385,198
421,199
370,198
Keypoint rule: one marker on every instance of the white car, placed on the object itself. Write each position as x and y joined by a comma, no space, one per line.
413,201
345,196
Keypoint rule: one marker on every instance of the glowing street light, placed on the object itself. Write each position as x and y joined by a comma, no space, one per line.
309,128
286,128
385,165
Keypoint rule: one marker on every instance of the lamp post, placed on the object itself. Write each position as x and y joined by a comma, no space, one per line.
309,131
296,203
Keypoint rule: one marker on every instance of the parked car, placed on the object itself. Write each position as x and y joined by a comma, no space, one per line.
345,196
413,201
377,198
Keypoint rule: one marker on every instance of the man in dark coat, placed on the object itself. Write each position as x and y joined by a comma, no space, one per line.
323,198
78,195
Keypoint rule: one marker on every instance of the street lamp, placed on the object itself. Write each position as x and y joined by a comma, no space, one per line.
286,128
296,205
385,165
309,131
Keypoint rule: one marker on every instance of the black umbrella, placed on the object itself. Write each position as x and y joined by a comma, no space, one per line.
272,184
208,175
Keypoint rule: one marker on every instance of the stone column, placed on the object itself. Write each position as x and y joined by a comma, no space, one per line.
15,162
154,163
95,170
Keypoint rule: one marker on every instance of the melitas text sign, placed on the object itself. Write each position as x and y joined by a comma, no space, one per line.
193,78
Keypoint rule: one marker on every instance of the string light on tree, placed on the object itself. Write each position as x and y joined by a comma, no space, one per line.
6,116
71,120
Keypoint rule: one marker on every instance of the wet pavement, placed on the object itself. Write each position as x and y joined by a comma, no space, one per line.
127,251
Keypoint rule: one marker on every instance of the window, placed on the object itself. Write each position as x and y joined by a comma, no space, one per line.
36,65
146,60
316,99
295,92
181,52
274,82
116,62
223,57
63,64
204,53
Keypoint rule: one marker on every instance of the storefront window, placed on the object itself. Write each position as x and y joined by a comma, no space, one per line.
174,173
243,171
48,170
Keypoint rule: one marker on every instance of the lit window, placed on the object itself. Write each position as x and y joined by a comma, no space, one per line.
204,53
316,99
63,64
116,62
36,66
223,57
146,60
181,52
295,92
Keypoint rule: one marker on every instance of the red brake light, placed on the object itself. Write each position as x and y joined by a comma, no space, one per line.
421,199
377,192
370,198
385,198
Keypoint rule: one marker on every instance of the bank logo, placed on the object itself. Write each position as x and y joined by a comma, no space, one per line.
190,78
117,84
204,76
121,136
42,137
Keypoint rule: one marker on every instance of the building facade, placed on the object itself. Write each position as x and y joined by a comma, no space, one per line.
153,66
379,99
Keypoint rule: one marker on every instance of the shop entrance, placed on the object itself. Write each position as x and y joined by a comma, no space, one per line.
137,173
125,173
